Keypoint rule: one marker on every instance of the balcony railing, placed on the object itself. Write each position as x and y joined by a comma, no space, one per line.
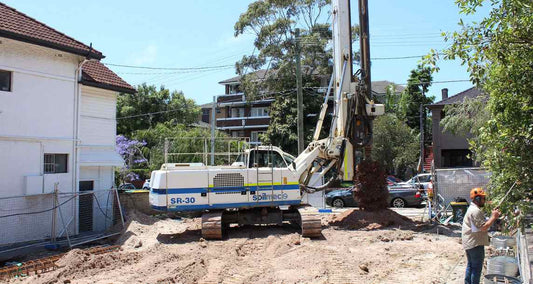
243,118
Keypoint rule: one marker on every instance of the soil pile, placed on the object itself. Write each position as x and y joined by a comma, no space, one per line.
356,219
158,250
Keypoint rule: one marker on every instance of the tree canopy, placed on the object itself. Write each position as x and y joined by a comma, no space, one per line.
395,146
414,95
498,51
161,104
273,22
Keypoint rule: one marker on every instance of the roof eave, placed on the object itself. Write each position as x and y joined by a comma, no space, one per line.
27,39
108,87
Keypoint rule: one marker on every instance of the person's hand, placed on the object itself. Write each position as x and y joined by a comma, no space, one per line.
496,213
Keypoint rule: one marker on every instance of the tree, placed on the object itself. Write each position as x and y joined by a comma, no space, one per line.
414,95
162,105
130,151
273,23
395,145
498,51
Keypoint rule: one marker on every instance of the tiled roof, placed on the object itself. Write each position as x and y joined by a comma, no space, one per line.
19,26
380,87
459,97
95,74
260,74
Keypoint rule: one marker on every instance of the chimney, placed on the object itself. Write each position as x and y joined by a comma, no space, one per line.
444,93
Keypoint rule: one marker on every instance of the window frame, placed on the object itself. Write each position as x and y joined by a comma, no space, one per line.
51,163
10,87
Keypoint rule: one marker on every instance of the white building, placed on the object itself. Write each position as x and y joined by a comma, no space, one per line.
57,120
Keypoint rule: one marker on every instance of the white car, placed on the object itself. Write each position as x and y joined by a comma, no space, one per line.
419,181
146,184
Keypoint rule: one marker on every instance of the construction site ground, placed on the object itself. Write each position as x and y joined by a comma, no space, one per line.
356,247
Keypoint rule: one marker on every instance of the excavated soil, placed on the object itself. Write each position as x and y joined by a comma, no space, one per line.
354,219
358,247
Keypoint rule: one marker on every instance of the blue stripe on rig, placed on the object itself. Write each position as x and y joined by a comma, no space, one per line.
224,189
225,205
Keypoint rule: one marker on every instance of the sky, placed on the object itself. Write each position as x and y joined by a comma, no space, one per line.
193,34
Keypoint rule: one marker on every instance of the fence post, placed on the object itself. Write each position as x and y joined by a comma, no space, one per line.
120,208
54,214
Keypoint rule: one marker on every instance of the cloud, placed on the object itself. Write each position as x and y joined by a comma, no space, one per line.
146,56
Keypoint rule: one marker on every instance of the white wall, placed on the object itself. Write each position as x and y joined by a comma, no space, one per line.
97,122
36,116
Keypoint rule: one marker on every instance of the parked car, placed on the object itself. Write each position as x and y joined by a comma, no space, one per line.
126,186
146,184
419,181
398,198
393,180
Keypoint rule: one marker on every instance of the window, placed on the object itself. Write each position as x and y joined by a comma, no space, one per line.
234,89
5,81
255,136
55,163
456,158
237,112
259,111
263,159
237,134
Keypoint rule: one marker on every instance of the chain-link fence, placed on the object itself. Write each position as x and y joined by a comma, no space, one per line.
451,184
220,151
68,218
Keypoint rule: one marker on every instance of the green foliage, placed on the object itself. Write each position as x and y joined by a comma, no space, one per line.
166,106
392,99
273,23
395,146
499,54
414,95
182,139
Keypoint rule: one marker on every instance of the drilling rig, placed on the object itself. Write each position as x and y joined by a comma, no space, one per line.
268,186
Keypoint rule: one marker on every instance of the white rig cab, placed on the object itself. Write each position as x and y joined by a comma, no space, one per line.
266,185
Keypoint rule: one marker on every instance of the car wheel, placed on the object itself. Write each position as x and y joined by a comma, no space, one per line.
338,203
398,203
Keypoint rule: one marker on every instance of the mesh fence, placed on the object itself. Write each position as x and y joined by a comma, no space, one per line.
450,184
70,218
199,150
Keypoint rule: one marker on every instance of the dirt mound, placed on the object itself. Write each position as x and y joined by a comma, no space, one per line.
354,219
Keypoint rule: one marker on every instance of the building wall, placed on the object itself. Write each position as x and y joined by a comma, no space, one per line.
98,116
36,117
443,140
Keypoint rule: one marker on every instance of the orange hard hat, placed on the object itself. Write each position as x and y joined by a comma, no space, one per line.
478,191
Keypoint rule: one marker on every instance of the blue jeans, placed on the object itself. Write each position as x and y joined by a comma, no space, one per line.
475,257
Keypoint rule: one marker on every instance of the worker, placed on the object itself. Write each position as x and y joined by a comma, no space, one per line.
475,236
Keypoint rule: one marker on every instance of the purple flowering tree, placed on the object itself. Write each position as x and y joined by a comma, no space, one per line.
130,150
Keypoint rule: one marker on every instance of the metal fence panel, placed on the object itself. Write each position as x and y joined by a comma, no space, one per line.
72,218
450,184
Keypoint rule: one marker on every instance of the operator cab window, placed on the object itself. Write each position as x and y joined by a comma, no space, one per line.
263,159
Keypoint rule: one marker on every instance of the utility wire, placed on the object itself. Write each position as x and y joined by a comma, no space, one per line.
168,68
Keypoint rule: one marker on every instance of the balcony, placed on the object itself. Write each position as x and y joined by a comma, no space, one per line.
232,123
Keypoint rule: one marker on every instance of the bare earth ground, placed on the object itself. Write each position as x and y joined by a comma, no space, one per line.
355,248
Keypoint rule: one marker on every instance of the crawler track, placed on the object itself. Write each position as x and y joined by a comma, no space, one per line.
212,225
310,223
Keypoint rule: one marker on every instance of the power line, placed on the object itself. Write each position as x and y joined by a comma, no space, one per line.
168,68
